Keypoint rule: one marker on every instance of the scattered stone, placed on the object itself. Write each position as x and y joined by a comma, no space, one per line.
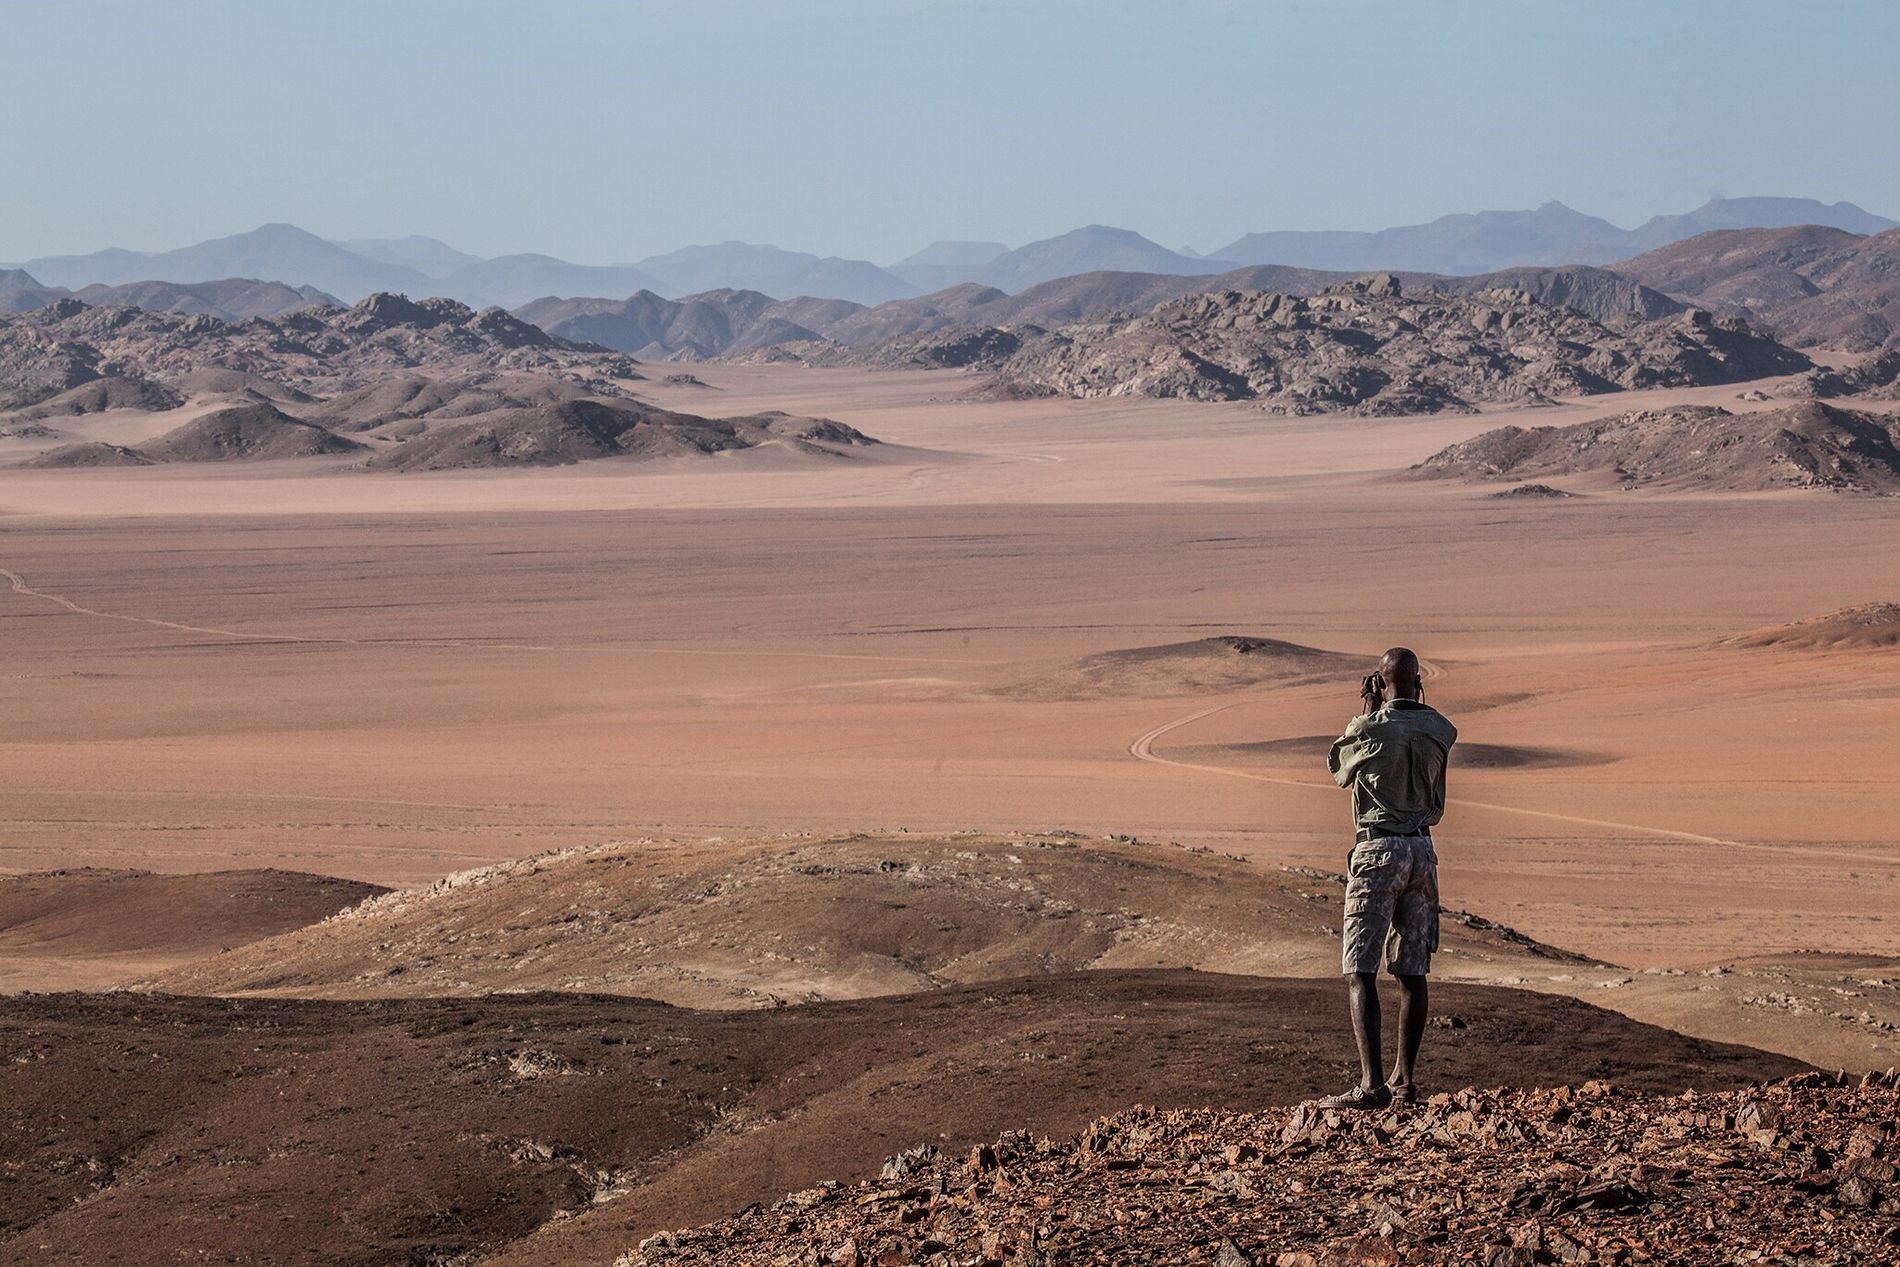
1589,1174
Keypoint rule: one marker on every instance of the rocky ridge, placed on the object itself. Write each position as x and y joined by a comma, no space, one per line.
1800,1171
746,324
68,343
1371,348
1876,378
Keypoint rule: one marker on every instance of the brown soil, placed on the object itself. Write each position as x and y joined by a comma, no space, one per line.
146,1128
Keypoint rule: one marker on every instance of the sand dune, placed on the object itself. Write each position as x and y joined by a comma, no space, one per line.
1228,662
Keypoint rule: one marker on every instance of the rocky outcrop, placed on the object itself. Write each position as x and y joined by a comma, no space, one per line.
36,363
1876,378
1693,446
317,350
1802,1170
1372,348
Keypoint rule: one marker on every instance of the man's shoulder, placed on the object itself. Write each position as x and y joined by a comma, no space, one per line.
1414,716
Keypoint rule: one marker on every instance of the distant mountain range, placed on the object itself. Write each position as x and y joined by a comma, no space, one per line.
1457,245
944,264
1552,234
228,299
420,266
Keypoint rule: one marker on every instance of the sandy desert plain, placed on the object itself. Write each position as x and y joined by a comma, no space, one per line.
1009,628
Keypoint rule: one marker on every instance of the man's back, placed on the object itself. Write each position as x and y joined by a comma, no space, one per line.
1393,759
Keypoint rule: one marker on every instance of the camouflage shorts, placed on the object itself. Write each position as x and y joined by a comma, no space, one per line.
1391,906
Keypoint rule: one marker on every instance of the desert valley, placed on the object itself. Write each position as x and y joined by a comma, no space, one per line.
756,682
763,758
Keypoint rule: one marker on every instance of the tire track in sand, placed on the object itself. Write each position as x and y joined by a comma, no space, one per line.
22,588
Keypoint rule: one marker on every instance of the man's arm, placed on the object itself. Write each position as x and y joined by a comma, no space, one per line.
1351,748
1348,752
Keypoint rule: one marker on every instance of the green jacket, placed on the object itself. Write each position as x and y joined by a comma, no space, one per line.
1394,762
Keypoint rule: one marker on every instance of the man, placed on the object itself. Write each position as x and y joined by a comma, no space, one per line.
1393,758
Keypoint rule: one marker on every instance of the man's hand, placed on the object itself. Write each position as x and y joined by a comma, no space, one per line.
1371,693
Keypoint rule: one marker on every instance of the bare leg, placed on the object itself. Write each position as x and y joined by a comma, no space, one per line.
1363,989
1413,1008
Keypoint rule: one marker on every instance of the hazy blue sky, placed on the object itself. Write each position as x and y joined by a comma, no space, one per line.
603,132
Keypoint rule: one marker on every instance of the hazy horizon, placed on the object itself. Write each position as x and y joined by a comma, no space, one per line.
606,133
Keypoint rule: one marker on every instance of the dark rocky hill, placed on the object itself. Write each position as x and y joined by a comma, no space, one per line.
555,434
104,394
1810,445
542,1129
87,453
249,432
1811,286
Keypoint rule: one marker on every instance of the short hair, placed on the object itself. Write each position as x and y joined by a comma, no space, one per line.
1404,662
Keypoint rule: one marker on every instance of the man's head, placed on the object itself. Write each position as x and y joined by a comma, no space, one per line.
1399,667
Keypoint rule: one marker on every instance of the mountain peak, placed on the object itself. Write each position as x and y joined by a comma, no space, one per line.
1093,248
